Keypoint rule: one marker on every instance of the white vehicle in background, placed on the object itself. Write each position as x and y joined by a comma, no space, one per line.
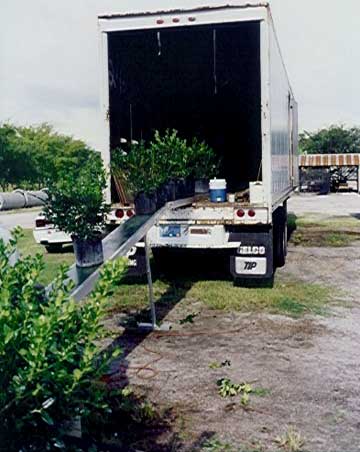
45,233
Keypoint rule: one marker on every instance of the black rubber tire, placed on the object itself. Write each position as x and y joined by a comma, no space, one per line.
279,237
52,249
163,260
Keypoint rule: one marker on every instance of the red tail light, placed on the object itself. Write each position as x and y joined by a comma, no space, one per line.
129,213
252,213
240,213
40,223
119,213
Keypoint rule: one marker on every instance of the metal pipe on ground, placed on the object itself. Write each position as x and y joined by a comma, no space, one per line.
20,199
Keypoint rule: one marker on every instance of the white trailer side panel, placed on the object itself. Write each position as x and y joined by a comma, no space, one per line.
281,98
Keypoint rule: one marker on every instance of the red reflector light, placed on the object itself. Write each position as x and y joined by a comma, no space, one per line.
176,20
240,213
119,213
252,213
40,223
160,21
192,19
129,213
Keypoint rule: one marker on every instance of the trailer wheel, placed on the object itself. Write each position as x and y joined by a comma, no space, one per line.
51,249
279,237
162,259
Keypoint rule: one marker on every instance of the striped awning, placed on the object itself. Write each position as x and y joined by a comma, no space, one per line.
323,160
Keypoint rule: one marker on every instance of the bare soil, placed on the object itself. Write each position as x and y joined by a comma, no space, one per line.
309,367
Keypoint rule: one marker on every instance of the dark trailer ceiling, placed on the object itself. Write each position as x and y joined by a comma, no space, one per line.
202,81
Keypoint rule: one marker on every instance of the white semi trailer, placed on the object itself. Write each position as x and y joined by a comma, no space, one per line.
217,73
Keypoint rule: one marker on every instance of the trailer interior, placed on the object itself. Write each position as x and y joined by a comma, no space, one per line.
203,81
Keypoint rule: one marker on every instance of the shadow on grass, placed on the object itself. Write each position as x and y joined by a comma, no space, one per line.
60,249
292,225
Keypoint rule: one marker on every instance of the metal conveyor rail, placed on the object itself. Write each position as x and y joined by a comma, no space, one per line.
117,244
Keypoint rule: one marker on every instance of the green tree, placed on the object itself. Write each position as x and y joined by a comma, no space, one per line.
32,156
336,139
49,153
10,157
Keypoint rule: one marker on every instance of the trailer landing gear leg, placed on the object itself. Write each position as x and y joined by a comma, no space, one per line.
153,325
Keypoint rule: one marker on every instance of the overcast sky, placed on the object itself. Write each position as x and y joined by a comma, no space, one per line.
49,67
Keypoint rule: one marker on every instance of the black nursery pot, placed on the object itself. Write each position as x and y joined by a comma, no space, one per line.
145,203
88,252
170,188
161,196
201,186
180,189
190,187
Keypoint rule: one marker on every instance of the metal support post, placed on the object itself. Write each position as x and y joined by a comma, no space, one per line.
150,284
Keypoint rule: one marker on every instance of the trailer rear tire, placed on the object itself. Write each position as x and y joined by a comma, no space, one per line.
163,259
53,249
280,237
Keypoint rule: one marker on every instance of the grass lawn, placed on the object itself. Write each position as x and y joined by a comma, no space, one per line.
28,246
286,297
312,231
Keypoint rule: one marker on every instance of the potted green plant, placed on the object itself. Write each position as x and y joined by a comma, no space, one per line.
139,169
163,170
76,206
173,156
204,165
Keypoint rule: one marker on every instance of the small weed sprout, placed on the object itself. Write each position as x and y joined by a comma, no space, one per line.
291,441
215,445
189,318
216,365
229,389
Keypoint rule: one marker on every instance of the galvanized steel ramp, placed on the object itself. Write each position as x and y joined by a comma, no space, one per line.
117,244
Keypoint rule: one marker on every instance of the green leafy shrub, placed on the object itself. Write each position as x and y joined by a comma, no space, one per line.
168,156
203,162
138,167
50,360
76,200
172,153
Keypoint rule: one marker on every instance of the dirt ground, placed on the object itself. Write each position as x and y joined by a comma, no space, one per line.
307,369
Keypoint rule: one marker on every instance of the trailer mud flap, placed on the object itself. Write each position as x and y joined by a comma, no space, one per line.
254,257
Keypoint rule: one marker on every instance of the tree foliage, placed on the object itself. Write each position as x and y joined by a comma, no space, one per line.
32,156
332,140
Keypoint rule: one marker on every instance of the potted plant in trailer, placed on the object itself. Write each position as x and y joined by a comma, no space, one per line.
172,155
165,169
76,206
203,165
140,171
